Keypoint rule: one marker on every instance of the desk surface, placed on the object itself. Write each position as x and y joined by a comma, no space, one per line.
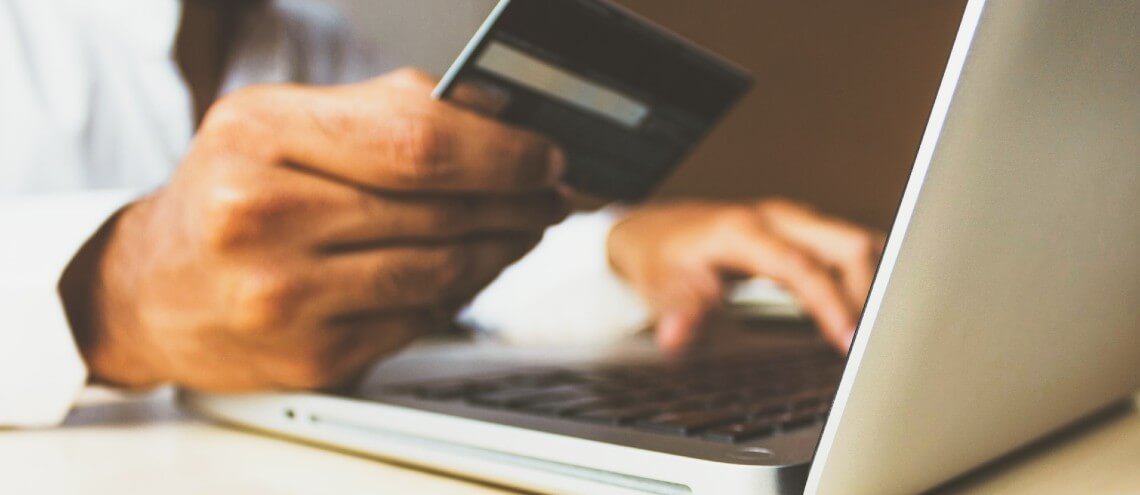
145,445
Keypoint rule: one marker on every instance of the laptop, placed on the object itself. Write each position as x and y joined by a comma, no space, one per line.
1006,306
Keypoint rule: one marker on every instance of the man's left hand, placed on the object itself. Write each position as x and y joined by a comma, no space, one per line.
680,255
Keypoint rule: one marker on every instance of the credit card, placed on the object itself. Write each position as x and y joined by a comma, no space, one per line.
625,98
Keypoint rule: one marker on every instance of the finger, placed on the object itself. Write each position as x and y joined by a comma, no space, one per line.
476,96
388,137
292,206
377,218
676,330
374,337
483,99
401,277
332,355
683,302
759,253
851,250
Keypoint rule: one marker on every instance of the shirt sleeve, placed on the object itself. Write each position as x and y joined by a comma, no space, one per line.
562,292
41,370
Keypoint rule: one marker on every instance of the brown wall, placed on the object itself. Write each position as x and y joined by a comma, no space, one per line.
842,95
843,91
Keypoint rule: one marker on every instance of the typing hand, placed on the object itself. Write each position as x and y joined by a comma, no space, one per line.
680,255
308,232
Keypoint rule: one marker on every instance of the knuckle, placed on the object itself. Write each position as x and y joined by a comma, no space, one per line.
422,149
777,206
231,111
795,264
813,289
227,223
735,220
265,301
237,216
411,76
240,119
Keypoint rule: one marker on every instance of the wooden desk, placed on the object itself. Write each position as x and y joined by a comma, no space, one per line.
145,445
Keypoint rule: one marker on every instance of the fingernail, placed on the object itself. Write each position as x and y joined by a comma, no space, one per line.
669,331
556,163
678,330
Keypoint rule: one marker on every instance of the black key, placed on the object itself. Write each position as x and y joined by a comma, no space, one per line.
509,397
566,407
727,400
802,403
770,389
724,400
688,423
766,408
813,395
739,432
556,397
798,421
571,390
444,391
686,404
820,411
618,415
541,378
659,394
404,389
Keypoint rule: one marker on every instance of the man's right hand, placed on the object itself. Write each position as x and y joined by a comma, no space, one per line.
308,232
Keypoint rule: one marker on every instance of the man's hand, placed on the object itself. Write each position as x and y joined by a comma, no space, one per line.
308,232
679,256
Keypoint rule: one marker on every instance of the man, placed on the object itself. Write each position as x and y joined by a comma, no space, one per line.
216,214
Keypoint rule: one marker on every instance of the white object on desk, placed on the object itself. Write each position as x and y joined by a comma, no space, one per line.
763,298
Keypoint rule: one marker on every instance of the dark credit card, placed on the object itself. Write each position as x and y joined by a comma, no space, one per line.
625,98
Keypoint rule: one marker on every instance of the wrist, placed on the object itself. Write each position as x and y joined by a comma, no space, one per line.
95,296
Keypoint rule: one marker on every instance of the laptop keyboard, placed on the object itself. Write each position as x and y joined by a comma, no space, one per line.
726,400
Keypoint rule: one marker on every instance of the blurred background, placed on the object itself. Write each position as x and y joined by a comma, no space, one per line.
843,88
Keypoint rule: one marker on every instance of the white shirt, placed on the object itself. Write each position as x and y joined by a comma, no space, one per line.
94,114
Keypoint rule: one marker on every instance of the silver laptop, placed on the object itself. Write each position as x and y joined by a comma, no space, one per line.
1007,306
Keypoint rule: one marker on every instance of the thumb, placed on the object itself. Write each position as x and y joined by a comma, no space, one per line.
484,99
